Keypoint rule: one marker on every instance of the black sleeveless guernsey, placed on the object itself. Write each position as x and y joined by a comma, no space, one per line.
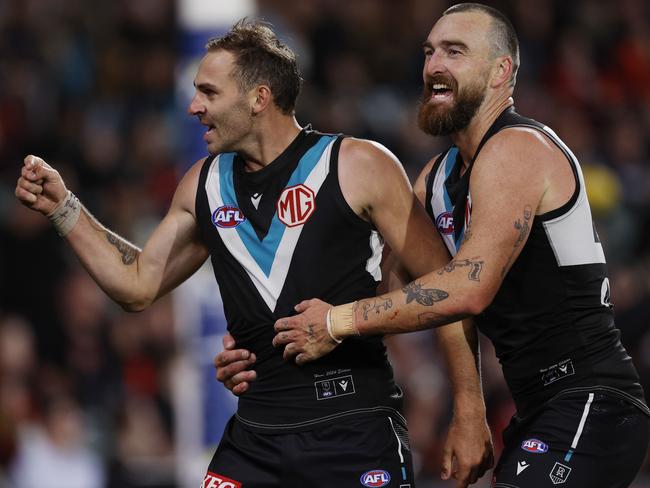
551,321
279,236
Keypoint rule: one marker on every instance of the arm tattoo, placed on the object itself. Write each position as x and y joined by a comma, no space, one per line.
426,296
475,267
377,306
524,229
128,252
311,333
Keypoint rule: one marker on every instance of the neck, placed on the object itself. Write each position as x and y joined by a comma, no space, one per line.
268,141
468,139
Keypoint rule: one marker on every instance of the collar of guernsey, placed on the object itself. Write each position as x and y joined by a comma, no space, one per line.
265,260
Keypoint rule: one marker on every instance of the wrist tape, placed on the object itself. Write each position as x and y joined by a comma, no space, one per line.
340,322
65,215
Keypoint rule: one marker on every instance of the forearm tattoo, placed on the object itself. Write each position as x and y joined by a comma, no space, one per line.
379,305
128,252
475,266
423,296
523,229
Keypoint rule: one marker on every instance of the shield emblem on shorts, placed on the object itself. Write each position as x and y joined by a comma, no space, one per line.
559,473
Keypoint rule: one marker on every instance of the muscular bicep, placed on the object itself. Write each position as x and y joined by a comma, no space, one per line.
420,248
174,251
506,187
376,187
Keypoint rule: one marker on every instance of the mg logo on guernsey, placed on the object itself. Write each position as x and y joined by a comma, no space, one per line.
214,480
445,223
227,217
296,204
375,478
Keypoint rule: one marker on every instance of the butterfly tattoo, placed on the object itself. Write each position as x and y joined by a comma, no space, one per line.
423,296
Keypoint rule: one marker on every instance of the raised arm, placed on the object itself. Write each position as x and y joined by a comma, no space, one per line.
131,276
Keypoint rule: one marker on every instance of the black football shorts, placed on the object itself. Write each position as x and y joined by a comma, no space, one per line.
591,439
354,453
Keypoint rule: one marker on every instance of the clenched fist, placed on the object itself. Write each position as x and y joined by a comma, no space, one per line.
40,187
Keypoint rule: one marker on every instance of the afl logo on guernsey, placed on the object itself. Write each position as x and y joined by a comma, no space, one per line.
295,205
445,223
227,217
375,478
535,446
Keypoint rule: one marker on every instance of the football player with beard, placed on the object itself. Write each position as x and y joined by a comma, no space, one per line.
285,213
509,200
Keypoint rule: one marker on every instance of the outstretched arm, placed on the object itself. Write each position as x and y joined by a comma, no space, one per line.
132,277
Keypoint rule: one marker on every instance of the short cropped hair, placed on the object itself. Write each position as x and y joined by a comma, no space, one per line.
504,37
261,58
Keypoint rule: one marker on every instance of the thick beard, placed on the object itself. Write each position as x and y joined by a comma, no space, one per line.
441,121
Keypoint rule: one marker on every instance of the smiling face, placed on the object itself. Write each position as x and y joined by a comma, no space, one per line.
456,72
220,104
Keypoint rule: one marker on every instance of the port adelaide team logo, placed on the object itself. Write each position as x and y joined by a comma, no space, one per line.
227,217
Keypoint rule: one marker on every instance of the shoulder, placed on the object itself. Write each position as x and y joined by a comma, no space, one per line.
518,164
523,147
368,172
366,153
192,175
185,194
420,186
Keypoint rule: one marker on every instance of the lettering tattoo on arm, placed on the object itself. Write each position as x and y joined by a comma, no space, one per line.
128,252
423,296
475,266
523,228
377,306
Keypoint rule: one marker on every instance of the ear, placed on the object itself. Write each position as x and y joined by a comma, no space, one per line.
261,98
502,71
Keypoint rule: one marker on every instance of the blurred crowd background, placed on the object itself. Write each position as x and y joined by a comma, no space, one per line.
91,86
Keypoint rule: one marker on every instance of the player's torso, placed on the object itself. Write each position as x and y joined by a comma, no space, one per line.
551,321
279,238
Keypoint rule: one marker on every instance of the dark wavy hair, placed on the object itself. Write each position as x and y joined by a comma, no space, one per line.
261,58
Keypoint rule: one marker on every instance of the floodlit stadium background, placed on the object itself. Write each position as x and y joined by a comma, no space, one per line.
91,396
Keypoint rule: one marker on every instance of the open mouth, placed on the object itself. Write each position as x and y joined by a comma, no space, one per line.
440,91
